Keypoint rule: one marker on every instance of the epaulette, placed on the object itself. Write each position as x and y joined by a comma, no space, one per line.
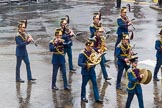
93,39
119,45
82,51
92,25
129,70
119,17
17,34
51,41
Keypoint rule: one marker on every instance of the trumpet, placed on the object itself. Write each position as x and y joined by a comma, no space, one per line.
58,41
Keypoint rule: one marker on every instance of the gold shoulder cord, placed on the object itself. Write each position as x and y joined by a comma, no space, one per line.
134,83
160,41
24,39
124,19
96,27
86,54
59,52
124,49
62,53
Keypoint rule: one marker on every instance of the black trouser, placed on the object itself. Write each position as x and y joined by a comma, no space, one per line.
118,3
160,3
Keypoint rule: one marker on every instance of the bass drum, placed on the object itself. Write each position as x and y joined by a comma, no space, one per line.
147,76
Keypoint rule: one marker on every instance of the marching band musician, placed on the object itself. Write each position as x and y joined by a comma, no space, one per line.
67,35
134,87
158,47
88,73
58,59
100,47
123,52
123,23
22,40
96,24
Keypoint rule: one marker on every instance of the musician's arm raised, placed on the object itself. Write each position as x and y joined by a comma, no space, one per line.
121,23
20,43
51,47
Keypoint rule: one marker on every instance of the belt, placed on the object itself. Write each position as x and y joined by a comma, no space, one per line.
58,53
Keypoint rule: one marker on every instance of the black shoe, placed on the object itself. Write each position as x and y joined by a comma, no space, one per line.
119,88
73,70
107,65
67,88
156,79
107,61
99,101
55,88
84,100
108,78
20,80
117,7
33,79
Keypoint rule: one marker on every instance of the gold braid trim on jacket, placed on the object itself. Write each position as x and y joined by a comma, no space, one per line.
124,50
134,83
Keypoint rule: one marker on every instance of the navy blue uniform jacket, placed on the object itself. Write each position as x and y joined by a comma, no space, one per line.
21,46
122,26
158,48
56,57
82,60
133,84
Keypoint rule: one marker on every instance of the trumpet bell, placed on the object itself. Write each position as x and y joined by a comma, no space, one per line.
147,76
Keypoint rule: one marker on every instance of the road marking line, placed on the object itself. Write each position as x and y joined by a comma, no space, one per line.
148,62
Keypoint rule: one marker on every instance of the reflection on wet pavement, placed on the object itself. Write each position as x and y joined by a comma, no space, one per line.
24,101
157,94
42,20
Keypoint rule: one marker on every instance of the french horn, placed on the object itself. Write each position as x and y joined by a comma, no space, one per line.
94,59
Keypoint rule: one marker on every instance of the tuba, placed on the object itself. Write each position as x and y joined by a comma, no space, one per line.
147,76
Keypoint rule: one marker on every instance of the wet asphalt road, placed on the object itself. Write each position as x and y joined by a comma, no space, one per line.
42,20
